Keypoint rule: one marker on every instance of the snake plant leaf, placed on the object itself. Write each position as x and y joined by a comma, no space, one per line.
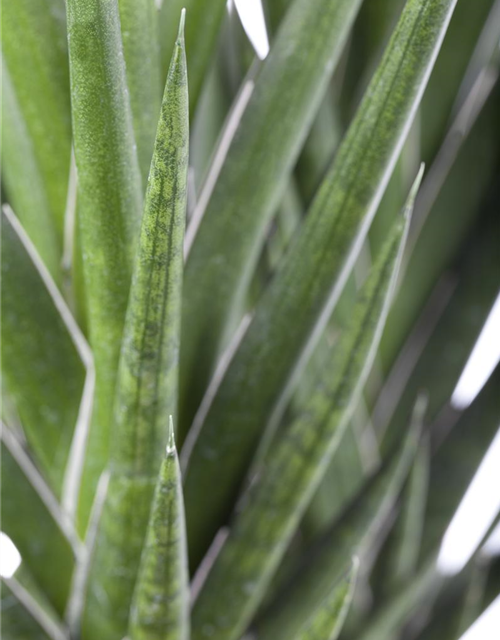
109,200
326,559
202,28
141,50
326,623
224,243
312,274
160,607
27,505
37,328
296,462
34,44
146,391
23,182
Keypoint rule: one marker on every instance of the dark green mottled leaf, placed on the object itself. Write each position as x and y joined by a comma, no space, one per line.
43,372
109,200
326,623
160,607
296,462
147,378
327,556
312,275
224,249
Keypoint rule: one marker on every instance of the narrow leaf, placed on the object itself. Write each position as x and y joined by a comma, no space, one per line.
327,556
37,327
35,47
139,24
146,391
224,249
312,275
22,180
202,28
109,199
160,608
327,621
296,463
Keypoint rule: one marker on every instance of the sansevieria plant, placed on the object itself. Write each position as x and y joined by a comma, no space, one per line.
237,297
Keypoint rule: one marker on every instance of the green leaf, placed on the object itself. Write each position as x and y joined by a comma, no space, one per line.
42,350
35,47
312,275
146,391
139,24
327,621
202,28
160,607
327,556
28,506
109,200
23,182
296,462
224,243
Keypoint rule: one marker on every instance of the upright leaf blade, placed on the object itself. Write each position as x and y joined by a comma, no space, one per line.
313,273
139,23
42,368
327,556
225,249
160,608
146,391
327,621
109,199
295,464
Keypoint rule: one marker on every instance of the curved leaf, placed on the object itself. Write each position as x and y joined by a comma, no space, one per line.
312,274
160,608
146,391
295,463
224,249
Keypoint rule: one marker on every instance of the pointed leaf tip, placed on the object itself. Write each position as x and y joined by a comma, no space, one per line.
180,35
171,449
408,209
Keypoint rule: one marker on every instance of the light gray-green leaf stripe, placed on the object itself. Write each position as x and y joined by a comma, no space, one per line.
109,199
225,249
146,391
160,608
327,621
313,272
35,47
326,559
23,182
139,23
295,464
